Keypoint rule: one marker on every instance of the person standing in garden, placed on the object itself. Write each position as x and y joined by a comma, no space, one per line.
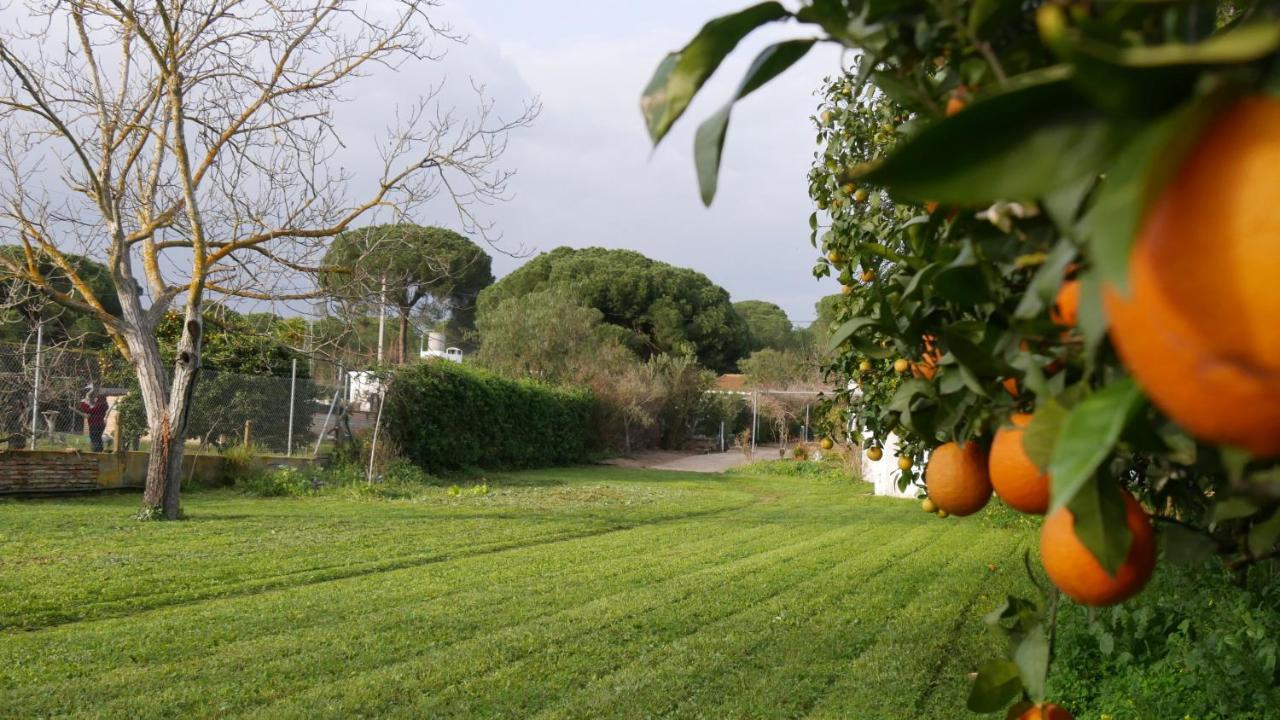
93,406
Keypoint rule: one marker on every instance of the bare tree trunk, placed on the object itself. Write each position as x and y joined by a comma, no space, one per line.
167,403
167,412
403,346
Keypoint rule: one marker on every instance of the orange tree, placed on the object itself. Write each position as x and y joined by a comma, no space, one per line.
1058,225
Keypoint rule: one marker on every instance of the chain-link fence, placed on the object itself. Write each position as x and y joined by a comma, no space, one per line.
43,405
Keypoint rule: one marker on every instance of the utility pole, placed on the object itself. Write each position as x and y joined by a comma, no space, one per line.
293,392
382,317
35,387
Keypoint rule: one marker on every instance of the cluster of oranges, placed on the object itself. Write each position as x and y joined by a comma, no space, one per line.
960,480
1202,346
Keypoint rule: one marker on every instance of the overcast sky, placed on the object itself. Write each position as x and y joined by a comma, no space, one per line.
587,175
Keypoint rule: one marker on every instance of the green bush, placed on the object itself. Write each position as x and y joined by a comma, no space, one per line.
241,465
447,417
279,482
1194,645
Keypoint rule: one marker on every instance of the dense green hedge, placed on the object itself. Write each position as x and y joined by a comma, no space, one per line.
447,417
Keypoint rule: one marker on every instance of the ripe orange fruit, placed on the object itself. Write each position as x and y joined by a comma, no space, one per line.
1046,711
942,514
826,444
927,368
874,454
1066,306
904,463
860,196
956,102
1016,479
1201,340
931,207
868,275
1078,573
847,290
1010,385
956,478
924,370
928,506
901,365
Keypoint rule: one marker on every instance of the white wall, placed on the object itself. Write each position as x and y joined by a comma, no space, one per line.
883,474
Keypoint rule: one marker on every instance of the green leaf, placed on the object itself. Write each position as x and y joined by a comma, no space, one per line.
1100,523
1234,461
1087,436
1039,438
906,392
1031,655
1092,321
708,142
1064,204
1232,509
976,358
1263,536
1242,45
1046,281
902,93
1018,145
845,331
1185,546
996,686
984,10
681,74
962,284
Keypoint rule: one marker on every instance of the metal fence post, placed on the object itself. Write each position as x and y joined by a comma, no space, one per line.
755,422
332,403
35,387
293,387
377,425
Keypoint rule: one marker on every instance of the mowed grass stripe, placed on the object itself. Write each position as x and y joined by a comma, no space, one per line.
799,663
563,666
670,596
903,663
455,577
383,689
256,654
219,568
291,634
697,672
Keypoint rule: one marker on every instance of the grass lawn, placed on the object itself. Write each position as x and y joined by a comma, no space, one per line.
580,593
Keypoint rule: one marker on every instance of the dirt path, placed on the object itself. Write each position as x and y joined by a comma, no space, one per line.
686,462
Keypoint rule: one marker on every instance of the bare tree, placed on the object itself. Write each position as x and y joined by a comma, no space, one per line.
193,151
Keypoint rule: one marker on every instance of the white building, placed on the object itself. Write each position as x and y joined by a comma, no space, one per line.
363,388
436,347
883,474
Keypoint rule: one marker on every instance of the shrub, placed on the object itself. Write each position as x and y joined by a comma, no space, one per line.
279,482
1207,654
447,417
241,465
